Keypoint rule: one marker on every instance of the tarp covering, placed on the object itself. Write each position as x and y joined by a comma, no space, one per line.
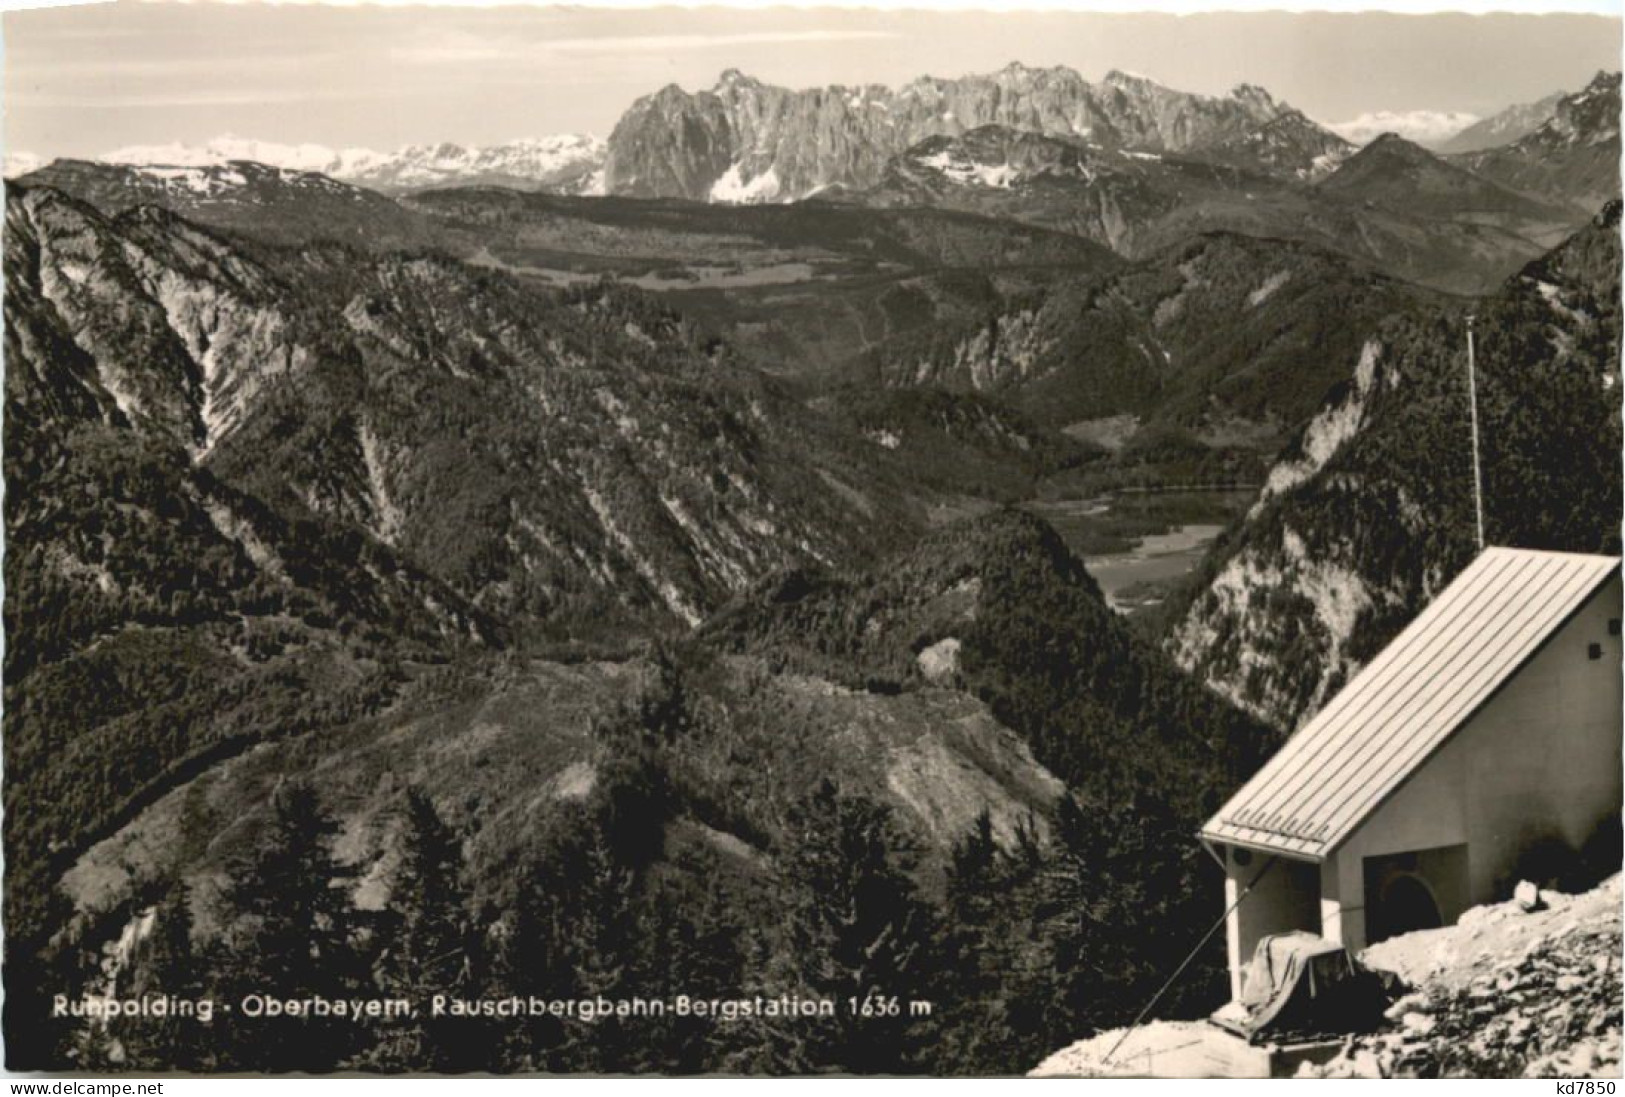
1302,985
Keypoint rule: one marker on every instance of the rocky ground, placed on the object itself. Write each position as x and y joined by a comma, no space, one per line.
1507,992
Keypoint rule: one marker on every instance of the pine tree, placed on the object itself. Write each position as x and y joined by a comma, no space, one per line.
428,949
169,963
980,951
292,937
689,945
1122,889
538,949
855,933
35,1039
601,940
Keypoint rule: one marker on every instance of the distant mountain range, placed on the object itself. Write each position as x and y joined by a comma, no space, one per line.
1392,204
564,164
1573,156
745,141
1447,132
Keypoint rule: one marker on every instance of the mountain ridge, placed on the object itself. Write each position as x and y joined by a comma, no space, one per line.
1573,157
1503,127
1139,203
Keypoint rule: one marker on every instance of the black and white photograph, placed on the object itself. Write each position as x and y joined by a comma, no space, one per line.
794,542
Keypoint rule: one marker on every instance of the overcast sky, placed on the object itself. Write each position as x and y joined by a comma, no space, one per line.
82,81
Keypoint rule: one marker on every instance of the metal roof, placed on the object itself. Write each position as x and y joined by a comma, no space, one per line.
1438,672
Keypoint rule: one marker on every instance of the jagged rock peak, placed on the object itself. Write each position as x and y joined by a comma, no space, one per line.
674,93
733,78
1124,78
1256,98
1392,142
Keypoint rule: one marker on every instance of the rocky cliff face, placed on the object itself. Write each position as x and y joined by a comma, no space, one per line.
744,140
1370,512
184,334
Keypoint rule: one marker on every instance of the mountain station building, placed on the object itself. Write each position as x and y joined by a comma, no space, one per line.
1490,724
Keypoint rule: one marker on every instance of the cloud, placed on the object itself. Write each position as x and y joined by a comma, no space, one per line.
476,49
1425,127
21,163
116,99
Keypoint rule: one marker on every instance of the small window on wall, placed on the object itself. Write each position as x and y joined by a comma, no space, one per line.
1594,651
1613,626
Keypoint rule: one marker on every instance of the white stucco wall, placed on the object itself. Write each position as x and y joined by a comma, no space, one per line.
1542,758
1286,897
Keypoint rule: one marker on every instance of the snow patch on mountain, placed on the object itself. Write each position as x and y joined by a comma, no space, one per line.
197,181
964,171
1326,163
226,148
735,189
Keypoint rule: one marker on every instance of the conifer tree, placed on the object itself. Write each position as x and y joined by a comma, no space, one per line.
855,933
980,953
292,936
690,945
427,949
601,940
168,964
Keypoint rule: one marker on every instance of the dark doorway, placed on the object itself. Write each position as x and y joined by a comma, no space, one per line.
1405,892
1407,904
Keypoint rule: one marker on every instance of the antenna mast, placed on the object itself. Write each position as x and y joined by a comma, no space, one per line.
1472,401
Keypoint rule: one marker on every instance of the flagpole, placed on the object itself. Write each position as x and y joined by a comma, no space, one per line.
1472,401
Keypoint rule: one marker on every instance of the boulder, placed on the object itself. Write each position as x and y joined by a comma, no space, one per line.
1528,897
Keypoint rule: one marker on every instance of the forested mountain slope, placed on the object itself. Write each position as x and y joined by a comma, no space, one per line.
246,486
1217,348
836,781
